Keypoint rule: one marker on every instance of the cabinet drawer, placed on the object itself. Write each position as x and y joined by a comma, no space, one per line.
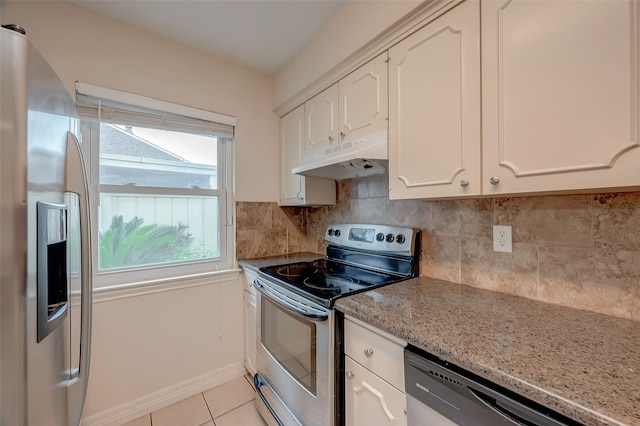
376,350
249,277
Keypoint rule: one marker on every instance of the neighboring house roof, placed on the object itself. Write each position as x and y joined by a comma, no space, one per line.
130,159
118,141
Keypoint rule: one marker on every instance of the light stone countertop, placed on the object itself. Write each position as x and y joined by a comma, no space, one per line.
581,364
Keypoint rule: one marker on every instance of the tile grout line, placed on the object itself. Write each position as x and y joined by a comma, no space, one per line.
208,409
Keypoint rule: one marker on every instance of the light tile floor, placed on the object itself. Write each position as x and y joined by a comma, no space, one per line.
230,404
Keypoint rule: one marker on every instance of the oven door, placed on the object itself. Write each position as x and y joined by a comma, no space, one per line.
295,378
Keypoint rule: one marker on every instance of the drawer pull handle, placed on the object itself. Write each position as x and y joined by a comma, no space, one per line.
350,374
368,352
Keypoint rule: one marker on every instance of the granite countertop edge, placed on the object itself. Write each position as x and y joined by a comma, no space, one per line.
581,364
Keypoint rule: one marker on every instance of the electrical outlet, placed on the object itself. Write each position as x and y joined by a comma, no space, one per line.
502,238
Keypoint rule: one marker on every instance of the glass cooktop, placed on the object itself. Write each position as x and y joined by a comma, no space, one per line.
324,280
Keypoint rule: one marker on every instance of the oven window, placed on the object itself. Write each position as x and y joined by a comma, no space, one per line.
291,340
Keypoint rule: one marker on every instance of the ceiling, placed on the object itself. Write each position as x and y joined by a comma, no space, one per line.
261,34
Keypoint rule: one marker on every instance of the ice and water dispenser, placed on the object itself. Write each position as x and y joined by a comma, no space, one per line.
53,294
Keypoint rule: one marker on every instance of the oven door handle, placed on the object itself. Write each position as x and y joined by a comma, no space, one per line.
306,311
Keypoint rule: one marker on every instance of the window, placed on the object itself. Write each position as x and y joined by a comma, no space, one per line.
163,185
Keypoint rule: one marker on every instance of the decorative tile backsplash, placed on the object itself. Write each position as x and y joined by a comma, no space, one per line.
581,251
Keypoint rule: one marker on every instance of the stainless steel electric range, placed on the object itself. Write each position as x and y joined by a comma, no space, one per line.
299,341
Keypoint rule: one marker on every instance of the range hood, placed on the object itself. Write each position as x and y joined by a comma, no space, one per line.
365,156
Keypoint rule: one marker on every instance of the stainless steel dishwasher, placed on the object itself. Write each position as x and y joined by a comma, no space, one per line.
442,394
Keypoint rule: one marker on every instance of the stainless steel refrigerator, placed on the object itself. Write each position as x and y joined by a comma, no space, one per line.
45,287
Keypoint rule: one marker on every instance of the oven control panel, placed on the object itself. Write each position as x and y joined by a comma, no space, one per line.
382,238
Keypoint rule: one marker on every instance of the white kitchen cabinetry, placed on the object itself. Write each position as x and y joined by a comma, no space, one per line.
560,100
321,124
296,190
434,108
560,95
364,100
354,107
249,302
374,382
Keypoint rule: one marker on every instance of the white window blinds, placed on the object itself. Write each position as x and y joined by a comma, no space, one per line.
113,106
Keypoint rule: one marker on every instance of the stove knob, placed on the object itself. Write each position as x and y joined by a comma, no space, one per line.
330,232
400,239
337,233
390,238
380,236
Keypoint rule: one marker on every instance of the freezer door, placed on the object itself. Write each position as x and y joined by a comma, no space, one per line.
37,114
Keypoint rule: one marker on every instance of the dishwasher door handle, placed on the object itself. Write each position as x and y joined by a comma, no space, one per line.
510,410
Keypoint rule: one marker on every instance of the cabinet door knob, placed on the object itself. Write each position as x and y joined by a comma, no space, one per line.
368,352
464,183
494,180
330,138
350,374
343,134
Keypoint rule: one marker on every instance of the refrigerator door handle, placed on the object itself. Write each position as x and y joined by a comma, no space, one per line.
76,182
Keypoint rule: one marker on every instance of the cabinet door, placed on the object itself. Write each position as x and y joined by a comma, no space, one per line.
297,190
321,122
434,108
250,332
291,136
364,102
369,400
560,95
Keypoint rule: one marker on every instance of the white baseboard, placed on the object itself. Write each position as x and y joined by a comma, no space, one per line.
163,398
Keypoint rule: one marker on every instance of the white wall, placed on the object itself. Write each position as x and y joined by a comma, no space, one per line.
152,348
82,46
355,24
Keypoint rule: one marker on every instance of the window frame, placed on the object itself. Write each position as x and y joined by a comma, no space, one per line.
170,271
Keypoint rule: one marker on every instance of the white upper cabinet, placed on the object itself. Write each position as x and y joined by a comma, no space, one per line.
291,134
364,102
559,109
321,120
296,190
434,108
560,97
355,106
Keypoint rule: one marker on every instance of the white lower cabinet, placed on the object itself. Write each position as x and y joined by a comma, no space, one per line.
374,395
249,303
370,400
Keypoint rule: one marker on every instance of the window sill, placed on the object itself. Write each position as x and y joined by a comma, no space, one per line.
135,289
